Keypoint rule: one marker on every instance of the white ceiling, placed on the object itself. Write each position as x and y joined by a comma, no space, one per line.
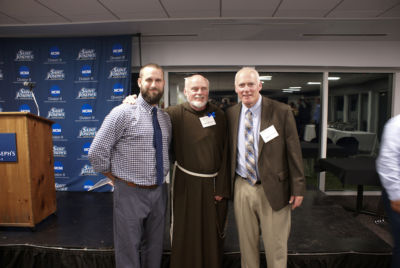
203,20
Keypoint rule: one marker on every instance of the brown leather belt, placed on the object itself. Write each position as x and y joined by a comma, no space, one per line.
132,184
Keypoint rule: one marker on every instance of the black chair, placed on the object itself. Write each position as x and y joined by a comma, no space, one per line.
349,143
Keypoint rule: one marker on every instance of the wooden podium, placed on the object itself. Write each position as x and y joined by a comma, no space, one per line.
27,187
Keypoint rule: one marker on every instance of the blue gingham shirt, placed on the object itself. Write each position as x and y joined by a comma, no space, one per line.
124,143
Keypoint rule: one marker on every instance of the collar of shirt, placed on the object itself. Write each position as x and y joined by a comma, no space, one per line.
144,104
255,109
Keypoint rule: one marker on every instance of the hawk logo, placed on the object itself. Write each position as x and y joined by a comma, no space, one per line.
118,72
56,113
87,93
24,94
86,54
59,151
24,55
87,170
55,75
87,132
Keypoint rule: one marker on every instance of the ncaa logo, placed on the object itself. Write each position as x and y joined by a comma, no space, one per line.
58,167
118,89
86,110
86,147
86,71
117,50
24,108
56,129
54,52
87,185
24,72
55,91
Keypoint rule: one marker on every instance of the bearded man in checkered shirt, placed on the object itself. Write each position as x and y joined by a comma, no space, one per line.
124,150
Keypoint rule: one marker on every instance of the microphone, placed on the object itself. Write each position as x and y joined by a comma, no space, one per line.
29,84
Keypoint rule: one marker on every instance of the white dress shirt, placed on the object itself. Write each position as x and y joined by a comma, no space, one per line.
388,162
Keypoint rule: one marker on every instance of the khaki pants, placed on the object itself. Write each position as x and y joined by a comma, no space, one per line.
254,213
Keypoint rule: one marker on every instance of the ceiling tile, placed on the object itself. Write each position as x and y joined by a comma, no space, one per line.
305,8
249,8
393,12
29,12
131,10
361,8
78,10
192,8
7,20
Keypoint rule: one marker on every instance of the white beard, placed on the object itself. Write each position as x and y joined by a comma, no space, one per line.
198,104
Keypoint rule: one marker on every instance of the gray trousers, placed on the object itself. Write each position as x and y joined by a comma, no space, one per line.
139,218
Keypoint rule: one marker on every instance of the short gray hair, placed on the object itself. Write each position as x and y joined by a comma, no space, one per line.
248,69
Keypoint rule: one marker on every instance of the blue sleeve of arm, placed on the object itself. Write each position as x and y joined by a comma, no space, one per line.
108,135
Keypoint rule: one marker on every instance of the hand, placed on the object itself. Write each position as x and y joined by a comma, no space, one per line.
110,176
131,99
395,204
295,201
218,198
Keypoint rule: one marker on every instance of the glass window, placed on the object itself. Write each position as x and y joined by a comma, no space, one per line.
358,108
222,89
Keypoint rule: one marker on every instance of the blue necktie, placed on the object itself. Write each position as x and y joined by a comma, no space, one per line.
157,141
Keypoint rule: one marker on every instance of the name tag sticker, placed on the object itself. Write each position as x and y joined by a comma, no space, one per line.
269,133
207,121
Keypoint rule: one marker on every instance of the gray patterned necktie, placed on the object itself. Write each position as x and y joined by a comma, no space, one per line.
250,152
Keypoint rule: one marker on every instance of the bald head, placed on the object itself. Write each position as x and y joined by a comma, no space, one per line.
248,70
196,77
196,91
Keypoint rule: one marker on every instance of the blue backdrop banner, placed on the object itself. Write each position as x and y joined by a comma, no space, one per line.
77,81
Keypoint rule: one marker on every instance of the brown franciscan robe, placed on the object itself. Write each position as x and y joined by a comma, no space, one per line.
199,220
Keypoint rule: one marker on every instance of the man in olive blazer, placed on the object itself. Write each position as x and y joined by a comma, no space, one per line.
264,202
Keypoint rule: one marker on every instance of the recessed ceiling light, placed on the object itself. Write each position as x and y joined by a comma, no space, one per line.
333,78
313,83
294,87
291,89
346,34
266,77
